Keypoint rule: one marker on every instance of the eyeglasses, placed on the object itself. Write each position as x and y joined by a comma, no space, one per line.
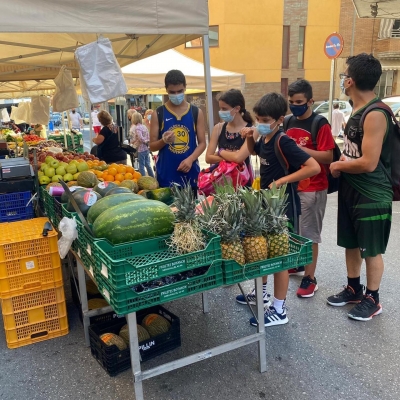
343,76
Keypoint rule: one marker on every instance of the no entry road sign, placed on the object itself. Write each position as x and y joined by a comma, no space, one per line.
333,45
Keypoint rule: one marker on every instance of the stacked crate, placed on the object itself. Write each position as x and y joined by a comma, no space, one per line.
31,284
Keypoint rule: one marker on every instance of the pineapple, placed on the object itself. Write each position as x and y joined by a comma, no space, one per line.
224,218
275,202
187,236
254,243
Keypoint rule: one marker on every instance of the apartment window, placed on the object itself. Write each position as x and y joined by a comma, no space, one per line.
396,29
284,86
285,46
300,54
213,34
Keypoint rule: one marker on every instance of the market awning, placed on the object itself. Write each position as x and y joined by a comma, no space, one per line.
377,8
147,76
137,30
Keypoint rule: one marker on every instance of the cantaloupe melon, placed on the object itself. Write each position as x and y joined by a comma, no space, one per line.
111,338
142,333
155,324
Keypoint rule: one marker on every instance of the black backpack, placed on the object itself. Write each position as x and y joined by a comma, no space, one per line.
395,147
160,116
333,183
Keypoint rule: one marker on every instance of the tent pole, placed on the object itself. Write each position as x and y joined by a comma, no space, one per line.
207,75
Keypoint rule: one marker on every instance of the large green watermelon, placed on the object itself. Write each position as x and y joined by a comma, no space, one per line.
135,220
110,201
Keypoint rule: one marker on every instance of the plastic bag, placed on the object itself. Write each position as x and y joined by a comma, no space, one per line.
23,112
40,110
4,115
67,228
14,115
100,72
65,96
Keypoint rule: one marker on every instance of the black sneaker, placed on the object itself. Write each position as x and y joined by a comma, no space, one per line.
366,309
346,296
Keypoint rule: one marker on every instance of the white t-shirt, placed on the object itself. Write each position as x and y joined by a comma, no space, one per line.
95,120
337,121
75,120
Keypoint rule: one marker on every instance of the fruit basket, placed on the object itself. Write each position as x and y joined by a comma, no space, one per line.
300,253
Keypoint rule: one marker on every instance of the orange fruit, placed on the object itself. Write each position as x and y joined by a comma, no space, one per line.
109,178
104,174
130,169
112,171
134,180
128,176
113,165
117,182
121,169
119,177
89,163
137,175
102,163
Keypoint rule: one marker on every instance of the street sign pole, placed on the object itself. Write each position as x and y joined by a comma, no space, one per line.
331,89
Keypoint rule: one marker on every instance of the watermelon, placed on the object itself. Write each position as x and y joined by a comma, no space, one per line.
155,324
163,194
72,189
87,179
118,190
110,201
130,185
84,198
103,187
134,220
148,182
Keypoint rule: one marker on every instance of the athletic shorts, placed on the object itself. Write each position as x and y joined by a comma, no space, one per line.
97,129
313,205
362,223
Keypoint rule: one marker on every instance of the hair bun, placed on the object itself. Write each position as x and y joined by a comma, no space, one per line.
244,111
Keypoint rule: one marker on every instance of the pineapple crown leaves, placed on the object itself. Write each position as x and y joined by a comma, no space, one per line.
253,215
184,202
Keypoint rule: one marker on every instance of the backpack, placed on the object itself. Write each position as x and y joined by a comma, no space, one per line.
333,183
160,116
395,147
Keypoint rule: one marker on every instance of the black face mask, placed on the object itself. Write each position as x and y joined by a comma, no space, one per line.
73,111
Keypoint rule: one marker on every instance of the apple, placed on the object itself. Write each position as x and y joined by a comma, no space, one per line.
61,170
54,163
43,167
72,169
82,167
56,178
40,173
44,180
50,172
68,178
48,159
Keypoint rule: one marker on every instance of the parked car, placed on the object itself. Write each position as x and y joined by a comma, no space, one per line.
394,103
322,107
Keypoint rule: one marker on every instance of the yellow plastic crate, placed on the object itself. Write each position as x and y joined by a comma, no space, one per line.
34,333
23,239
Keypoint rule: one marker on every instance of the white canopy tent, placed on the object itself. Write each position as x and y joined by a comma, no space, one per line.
147,76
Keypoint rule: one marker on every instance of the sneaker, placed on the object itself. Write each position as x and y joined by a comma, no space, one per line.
251,297
346,296
299,271
272,317
366,309
307,287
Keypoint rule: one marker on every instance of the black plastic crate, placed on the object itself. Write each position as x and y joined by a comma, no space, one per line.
114,360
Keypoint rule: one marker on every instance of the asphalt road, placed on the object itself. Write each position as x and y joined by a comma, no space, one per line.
319,355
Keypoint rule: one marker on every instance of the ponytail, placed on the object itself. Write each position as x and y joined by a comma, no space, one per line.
247,116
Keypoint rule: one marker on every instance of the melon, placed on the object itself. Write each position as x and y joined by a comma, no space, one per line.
103,187
110,339
91,288
84,198
142,333
155,324
130,185
72,189
148,182
87,179
118,190
52,184
97,303
163,194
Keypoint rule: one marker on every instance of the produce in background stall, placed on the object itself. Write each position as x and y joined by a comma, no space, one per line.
276,229
187,236
254,243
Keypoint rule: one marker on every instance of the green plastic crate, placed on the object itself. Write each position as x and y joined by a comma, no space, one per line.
48,205
67,213
127,264
85,244
127,300
300,253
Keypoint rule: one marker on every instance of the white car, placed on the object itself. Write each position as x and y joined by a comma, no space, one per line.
322,107
394,103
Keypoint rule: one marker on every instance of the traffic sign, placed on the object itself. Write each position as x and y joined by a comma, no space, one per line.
333,45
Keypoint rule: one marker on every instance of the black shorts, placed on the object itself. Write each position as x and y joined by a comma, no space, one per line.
362,223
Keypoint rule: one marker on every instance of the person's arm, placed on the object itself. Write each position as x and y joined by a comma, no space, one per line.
324,140
99,139
186,164
309,169
211,157
343,121
375,126
246,149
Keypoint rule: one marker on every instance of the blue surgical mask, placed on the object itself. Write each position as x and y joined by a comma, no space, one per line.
176,98
149,117
226,116
264,129
298,110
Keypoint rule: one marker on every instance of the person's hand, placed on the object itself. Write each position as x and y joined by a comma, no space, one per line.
185,165
278,183
168,137
334,168
247,132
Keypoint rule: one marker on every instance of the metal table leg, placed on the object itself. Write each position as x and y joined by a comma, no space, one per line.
262,354
206,305
84,300
135,356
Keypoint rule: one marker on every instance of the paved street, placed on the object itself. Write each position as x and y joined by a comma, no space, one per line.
319,355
